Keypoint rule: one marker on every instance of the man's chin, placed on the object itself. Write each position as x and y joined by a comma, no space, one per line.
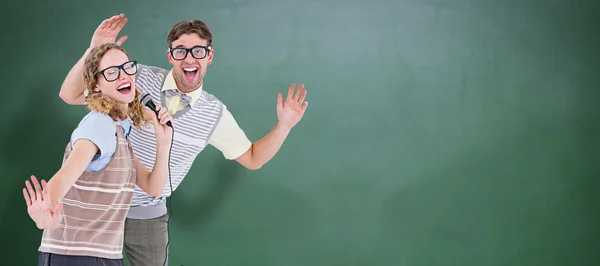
190,85
185,84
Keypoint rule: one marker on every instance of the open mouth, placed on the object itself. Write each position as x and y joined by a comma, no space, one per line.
124,88
190,72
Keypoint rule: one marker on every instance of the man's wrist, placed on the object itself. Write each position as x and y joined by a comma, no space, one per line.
282,128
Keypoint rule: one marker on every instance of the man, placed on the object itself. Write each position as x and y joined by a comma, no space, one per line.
200,119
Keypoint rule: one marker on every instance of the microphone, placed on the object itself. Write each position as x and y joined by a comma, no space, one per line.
146,100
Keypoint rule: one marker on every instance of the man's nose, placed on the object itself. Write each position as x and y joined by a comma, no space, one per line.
189,58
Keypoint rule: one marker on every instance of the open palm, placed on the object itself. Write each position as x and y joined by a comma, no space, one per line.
108,31
39,207
291,111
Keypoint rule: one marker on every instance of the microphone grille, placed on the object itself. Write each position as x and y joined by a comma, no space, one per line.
145,98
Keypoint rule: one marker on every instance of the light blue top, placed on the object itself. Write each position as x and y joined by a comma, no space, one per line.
101,130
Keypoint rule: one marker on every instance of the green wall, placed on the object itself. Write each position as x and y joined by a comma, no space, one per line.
455,132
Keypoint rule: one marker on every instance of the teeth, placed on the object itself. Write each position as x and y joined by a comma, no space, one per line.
190,69
124,86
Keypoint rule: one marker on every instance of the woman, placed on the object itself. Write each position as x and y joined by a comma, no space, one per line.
82,208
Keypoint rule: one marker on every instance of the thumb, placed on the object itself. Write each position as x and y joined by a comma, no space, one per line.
56,209
122,39
279,100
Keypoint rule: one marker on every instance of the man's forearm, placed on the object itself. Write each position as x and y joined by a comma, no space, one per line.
265,149
73,86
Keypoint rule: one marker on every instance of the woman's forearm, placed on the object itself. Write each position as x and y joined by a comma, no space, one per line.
81,156
157,178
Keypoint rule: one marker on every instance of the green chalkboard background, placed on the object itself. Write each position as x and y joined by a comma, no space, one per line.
458,132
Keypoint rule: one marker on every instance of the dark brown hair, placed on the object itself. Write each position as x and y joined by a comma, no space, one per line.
96,101
189,27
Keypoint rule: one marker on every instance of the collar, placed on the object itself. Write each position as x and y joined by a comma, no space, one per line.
125,125
171,85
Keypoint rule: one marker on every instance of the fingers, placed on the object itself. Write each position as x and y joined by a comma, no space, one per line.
296,98
302,94
298,93
114,20
122,39
153,115
30,190
38,189
169,119
166,118
27,200
159,108
161,119
45,191
304,106
121,24
290,93
107,23
104,24
163,115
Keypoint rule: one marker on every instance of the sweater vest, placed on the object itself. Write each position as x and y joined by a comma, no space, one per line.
193,127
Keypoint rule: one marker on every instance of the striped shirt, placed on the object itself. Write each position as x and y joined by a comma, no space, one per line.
95,208
193,129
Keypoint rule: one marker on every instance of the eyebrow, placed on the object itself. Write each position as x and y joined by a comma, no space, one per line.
182,46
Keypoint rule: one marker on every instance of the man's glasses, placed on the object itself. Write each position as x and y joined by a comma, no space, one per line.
114,72
198,52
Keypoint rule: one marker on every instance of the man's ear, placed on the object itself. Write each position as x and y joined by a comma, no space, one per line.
211,54
169,57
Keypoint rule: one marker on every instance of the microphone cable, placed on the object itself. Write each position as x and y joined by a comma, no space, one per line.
169,210
150,104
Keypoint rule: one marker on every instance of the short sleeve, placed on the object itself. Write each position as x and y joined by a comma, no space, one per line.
229,138
99,129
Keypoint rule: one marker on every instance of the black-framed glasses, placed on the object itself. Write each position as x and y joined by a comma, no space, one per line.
113,73
198,52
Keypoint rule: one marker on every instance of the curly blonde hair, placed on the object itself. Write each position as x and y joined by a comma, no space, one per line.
96,101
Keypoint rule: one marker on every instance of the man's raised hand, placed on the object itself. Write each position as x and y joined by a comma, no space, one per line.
291,111
108,31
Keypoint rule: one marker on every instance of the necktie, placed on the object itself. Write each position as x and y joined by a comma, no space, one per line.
184,98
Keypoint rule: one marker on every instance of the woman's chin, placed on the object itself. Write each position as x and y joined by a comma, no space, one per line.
126,99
